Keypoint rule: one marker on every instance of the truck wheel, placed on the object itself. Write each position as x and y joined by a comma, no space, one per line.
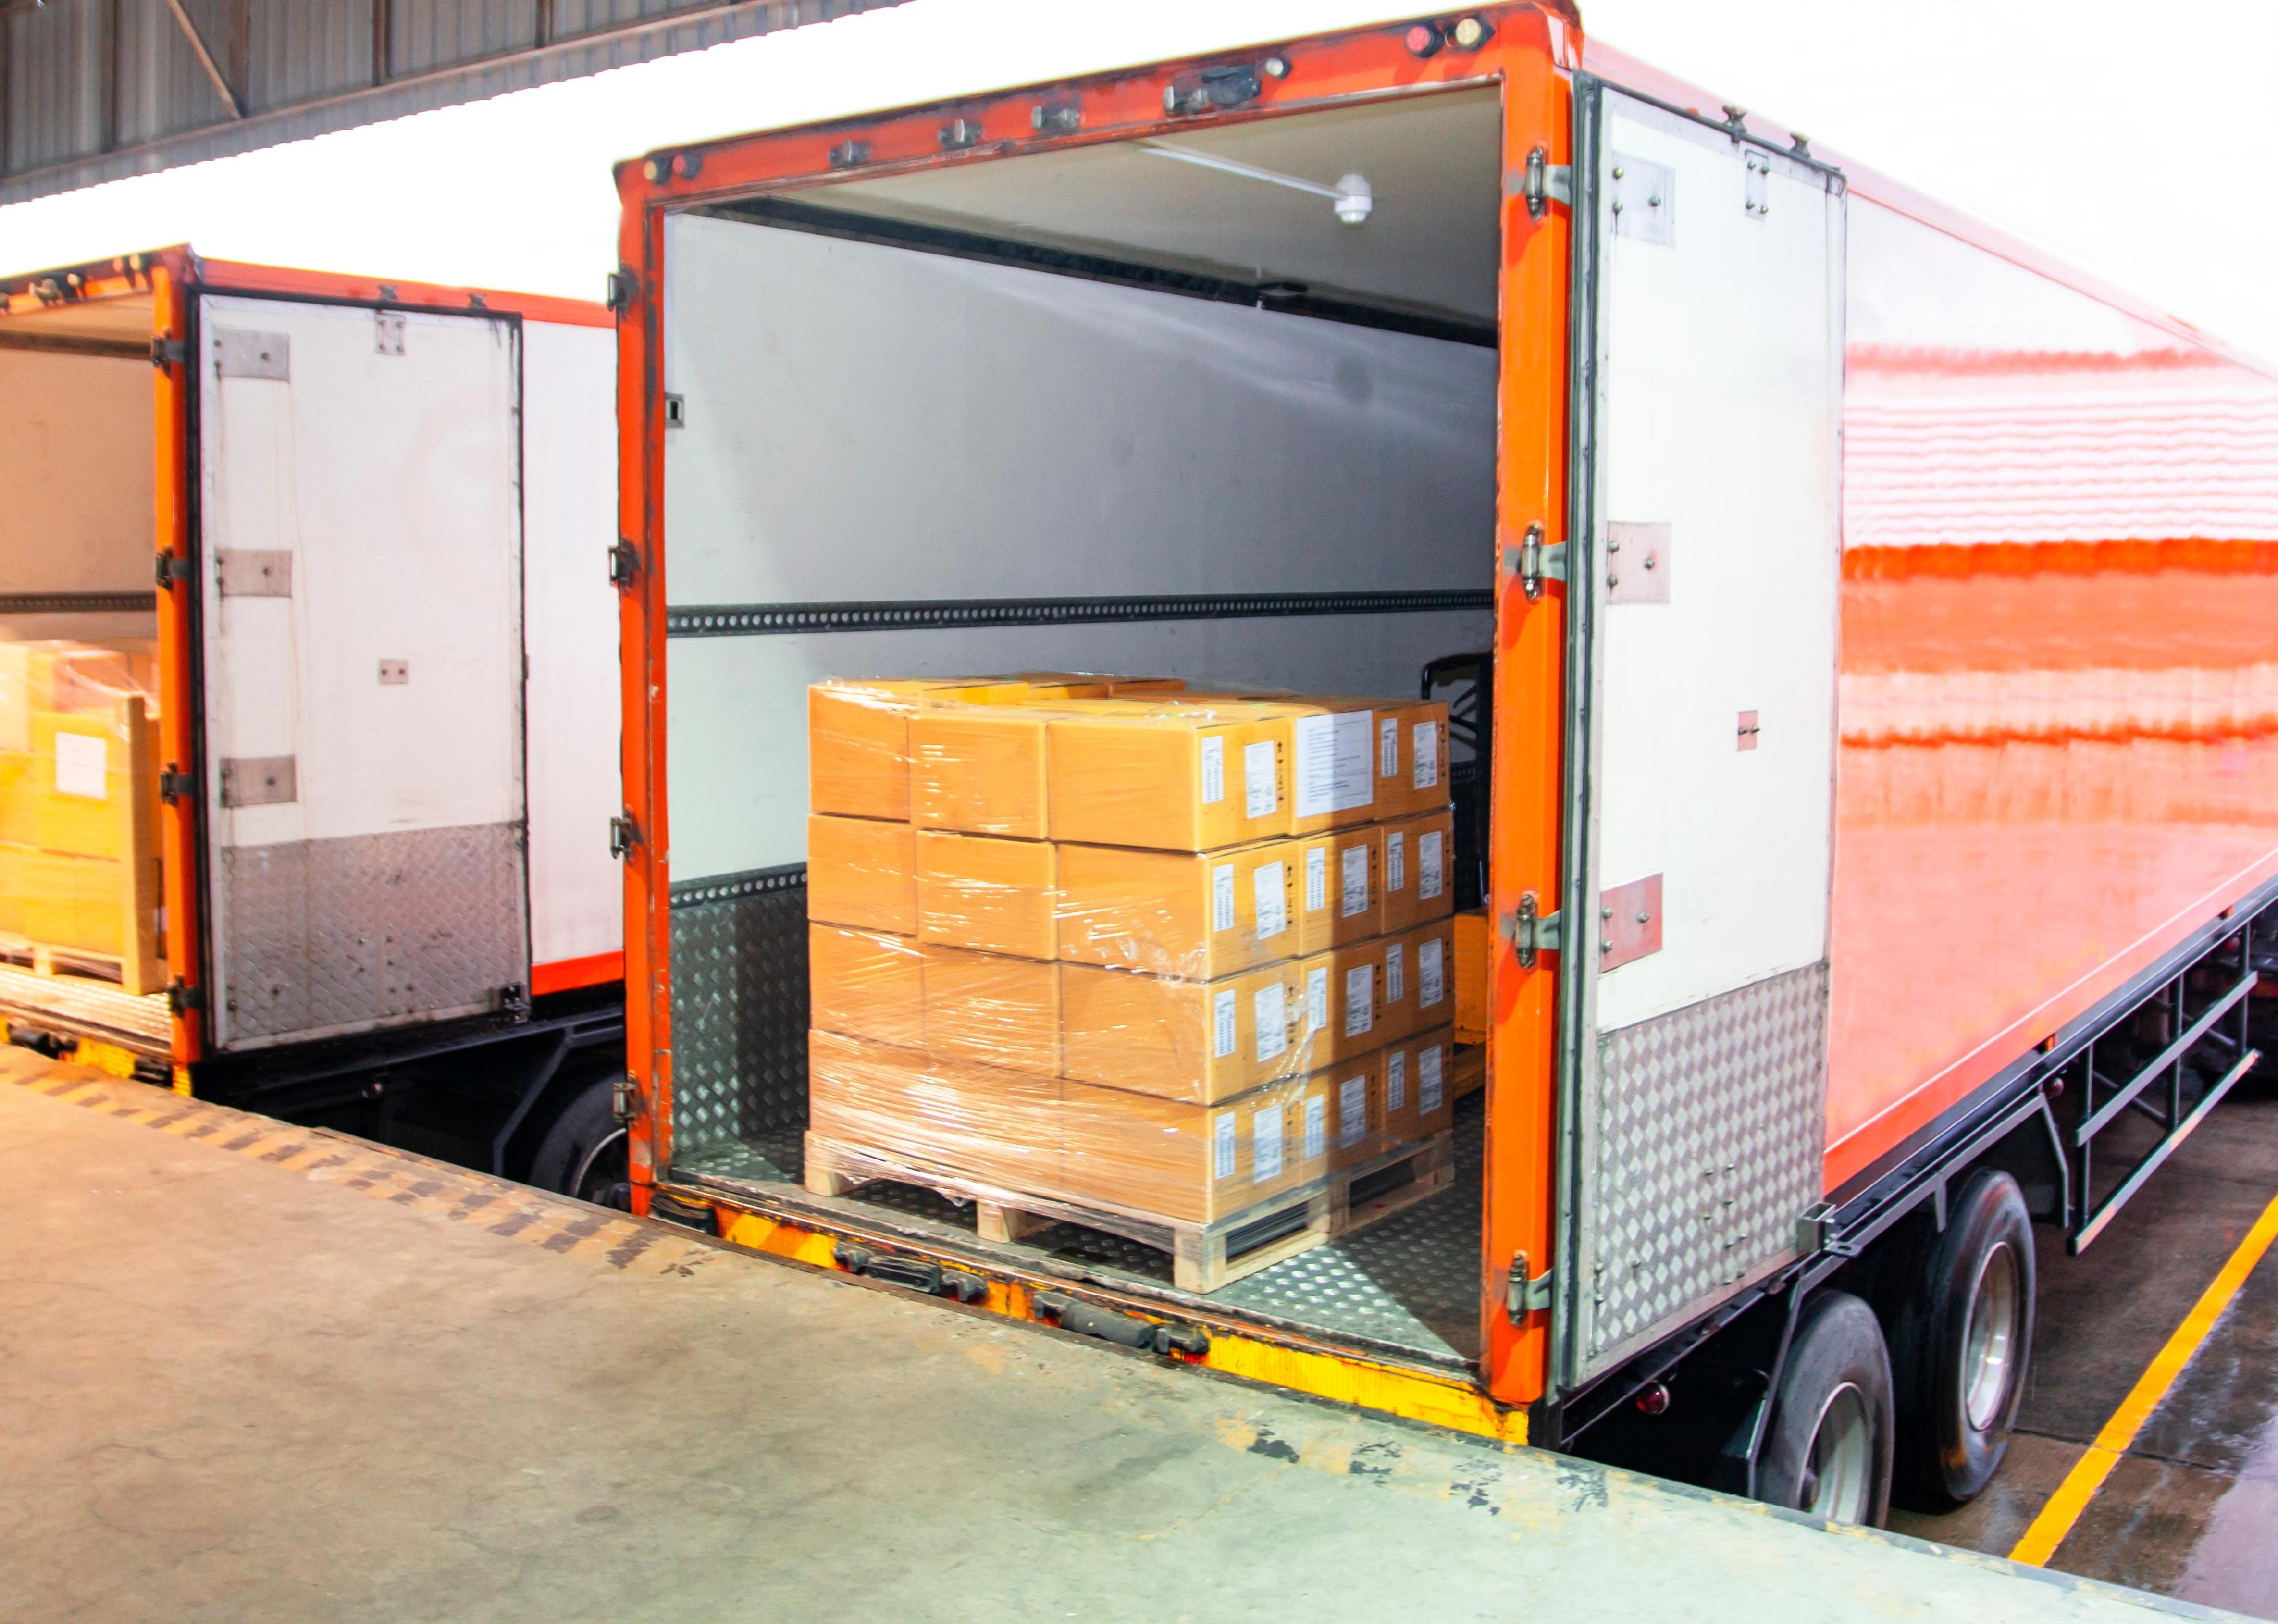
584,1152
1961,1337
1829,1451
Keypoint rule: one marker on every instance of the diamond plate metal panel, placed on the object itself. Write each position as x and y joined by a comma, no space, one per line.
739,1010
1705,1131
366,931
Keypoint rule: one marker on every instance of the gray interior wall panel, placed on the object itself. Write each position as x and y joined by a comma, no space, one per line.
736,741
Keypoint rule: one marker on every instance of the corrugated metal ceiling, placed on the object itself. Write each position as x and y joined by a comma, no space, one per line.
92,90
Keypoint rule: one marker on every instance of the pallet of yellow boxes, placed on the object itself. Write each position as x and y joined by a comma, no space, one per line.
79,857
1174,964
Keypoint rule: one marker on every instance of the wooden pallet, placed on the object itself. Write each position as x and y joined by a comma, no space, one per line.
139,974
1373,1191
1204,1256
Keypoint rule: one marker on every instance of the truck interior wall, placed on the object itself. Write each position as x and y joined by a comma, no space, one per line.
874,423
569,625
2057,698
75,487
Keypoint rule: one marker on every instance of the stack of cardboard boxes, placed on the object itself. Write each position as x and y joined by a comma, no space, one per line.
78,850
1124,945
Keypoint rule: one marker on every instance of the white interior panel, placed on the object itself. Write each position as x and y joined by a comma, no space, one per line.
390,479
1720,380
868,423
570,507
736,742
75,487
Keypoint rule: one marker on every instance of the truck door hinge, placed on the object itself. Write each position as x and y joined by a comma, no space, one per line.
181,997
624,564
176,785
1525,1292
617,290
1532,931
624,835
625,1102
171,569
1533,562
1544,183
169,353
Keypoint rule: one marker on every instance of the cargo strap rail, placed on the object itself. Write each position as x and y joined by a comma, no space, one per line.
784,619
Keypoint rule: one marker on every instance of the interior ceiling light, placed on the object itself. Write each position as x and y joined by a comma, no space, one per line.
1351,197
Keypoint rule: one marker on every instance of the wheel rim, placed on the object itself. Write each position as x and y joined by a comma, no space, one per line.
1841,1474
603,1165
1989,1347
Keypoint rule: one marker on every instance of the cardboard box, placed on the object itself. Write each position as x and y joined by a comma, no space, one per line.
1396,988
58,676
1432,960
1198,1041
1340,887
1470,950
1333,763
865,984
1470,1073
1343,991
1193,1162
1419,1101
993,1127
862,872
990,895
980,768
1412,757
1172,777
857,738
1357,1133
1197,916
1417,857
992,1008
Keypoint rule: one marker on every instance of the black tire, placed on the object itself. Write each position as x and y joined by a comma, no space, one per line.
1829,1450
584,1152
1961,1340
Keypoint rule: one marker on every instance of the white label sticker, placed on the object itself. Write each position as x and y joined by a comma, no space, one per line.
1427,754
1427,1077
1269,1007
1395,1081
1352,1111
1428,973
1265,1144
1214,770
1387,748
1395,972
1317,998
1222,897
1222,1131
1317,879
1355,859
1260,797
1396,860
1270,882
1316,1110
80,760
1332,769
1427,864
1360,1000
1222,1010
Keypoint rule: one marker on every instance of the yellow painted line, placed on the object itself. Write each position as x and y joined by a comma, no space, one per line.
2118,1436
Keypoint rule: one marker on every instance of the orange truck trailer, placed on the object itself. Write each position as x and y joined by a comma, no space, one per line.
1882,791
356,534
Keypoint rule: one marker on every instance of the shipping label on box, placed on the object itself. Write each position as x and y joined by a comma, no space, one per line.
1195,916
1201,1042
1340,894
1195,1163
1418,864
1334,779
1433,947
1173,777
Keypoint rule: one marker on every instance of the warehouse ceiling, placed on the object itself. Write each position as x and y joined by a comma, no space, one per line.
1429,245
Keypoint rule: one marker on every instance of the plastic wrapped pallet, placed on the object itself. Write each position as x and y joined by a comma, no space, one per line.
1196,1042
1196,915
976,1122
991,895
1194,1163
858,739
1183,777
980,768
1418,857
862,872
992,1008
865,984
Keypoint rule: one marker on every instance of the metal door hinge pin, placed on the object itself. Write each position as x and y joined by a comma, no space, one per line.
1523,1291
1532,931
624,835
617,290
1535,562
1544,183
176,785
169,353
171,569
847,154
624,564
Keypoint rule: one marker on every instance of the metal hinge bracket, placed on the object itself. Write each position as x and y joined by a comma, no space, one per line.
624,564
1814,1233
1524,1292
1532,931
1223,87
171,569
176,785
1534,562
1544,183
169,353
181,997
624,835
625,1102
617,290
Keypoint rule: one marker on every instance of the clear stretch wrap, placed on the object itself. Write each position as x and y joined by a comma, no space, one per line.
1128,942
79,842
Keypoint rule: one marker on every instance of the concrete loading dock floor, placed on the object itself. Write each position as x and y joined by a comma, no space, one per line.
254,1372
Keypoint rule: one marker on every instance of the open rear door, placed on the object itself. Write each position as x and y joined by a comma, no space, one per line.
360,559
1703,617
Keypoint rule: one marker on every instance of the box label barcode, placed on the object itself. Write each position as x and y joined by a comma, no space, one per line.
1356,879
1429,971
1427,864
1213,771
1270,880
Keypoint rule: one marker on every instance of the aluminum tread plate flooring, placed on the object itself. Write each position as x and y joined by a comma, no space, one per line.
1409,1282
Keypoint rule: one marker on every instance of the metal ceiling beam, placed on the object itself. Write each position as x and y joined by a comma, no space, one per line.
213,69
